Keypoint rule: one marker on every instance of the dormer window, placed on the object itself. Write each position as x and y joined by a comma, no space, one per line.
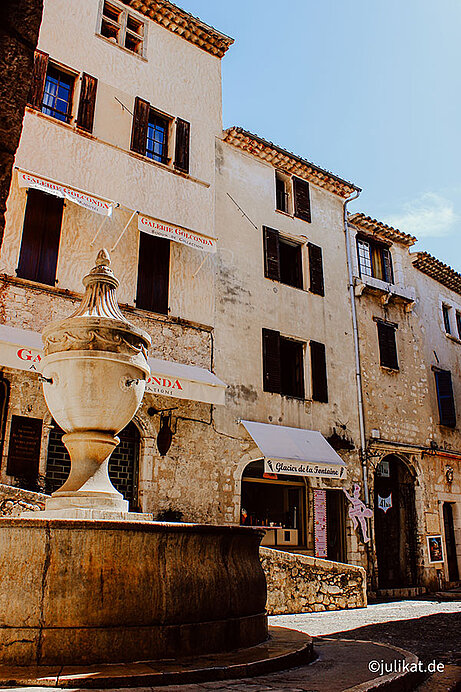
374,260
122,27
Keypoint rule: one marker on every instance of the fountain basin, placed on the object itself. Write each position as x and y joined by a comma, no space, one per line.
83,591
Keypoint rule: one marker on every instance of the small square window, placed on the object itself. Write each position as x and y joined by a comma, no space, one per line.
122,27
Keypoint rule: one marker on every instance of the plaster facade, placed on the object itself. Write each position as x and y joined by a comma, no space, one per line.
401,403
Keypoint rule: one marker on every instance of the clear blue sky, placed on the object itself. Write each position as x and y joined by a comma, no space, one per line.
369,89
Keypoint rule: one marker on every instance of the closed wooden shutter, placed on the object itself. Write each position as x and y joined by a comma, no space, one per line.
316,270
41,233
37,86
319,372
292,368
271,254
181,158
153,274
85,116
139,128
302,199
445,398
387,346
271,361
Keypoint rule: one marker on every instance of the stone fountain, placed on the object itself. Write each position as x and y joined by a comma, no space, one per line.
86,581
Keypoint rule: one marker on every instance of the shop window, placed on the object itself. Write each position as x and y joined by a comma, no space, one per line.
277,503
153,274
374,260
283,365
40,237
387,345
123,28
150,136
319,372
446,318
445,398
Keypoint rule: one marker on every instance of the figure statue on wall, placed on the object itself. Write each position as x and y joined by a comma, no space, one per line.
358,512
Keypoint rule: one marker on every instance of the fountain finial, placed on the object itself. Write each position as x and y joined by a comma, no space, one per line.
101,284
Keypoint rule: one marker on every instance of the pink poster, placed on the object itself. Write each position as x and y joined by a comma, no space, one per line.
320,523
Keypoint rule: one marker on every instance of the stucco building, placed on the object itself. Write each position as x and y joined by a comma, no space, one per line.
409,329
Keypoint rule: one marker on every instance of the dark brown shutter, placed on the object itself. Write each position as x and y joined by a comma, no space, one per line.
445,398
387,346
85,116
271,361
316,270
181,157
37,86
271,254
319,372
302,199
40,237
387,265
153,273
139,128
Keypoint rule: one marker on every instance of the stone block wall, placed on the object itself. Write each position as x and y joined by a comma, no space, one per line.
13,501
302,584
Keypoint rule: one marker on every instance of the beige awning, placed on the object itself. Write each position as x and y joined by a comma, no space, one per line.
294,451
21,349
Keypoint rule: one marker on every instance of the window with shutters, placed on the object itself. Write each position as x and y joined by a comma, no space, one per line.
122,27
374,260
445,398
458,323
41,234
52,91
283,365
153,273
319,372
150,136
387,345
282,259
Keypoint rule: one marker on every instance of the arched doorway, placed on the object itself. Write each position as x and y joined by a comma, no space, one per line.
395,524
123,464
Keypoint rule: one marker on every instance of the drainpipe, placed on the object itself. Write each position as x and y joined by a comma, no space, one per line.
358,372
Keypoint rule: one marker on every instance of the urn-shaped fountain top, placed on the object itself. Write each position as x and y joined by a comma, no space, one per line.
98,324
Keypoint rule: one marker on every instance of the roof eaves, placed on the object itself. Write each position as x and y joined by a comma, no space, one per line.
183,24
281,158
438,270
369,224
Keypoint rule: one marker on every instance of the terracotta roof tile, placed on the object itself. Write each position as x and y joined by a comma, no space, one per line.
373,226
287,161
437,270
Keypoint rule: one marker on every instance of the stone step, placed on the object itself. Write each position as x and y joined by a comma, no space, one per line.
404,592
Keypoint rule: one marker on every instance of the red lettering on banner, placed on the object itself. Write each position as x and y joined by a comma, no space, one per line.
25,354
164,382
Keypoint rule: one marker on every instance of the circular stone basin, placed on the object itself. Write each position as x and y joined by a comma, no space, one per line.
88,591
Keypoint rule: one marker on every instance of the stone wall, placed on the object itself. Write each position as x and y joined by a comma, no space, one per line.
13,501
19,22
302,584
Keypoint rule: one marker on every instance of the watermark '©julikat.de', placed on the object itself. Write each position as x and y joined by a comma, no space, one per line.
401,666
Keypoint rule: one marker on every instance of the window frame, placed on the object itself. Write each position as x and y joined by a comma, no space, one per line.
273,258
285,180
446,319
446,418
374,247
275,380
164,158
383,330
70,104
122,27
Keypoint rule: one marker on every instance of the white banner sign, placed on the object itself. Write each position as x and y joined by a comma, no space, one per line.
84,200
303,468
176,233
20,358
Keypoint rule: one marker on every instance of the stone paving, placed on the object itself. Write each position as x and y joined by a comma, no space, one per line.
428,629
